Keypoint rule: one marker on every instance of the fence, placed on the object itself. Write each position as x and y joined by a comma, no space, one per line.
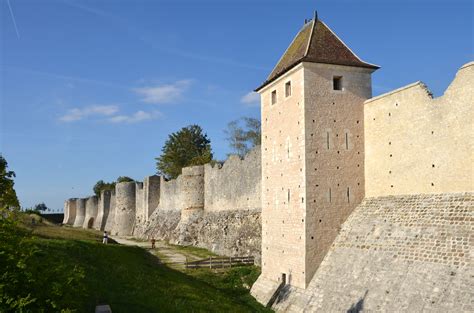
221,262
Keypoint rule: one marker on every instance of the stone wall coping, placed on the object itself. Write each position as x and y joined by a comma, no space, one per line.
415,84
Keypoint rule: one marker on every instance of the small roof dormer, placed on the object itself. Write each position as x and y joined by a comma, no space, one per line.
316,43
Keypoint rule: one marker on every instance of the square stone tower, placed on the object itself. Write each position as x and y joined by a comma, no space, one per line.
312,153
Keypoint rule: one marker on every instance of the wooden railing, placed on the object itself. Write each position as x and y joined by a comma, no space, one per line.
221,262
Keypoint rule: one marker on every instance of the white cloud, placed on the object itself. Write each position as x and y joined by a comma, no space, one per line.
251,99
166,93
77,114
136,117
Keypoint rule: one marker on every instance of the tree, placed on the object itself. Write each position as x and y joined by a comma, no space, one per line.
41,207
242,138
186,147
8,198
101,186
123,179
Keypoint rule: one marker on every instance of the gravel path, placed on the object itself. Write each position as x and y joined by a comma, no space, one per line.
171,255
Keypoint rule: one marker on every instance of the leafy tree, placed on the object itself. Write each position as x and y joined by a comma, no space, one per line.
186,147
8,198
101,186
243,134
123,179
40,207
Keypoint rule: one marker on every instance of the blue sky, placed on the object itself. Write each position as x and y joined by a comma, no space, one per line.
90,90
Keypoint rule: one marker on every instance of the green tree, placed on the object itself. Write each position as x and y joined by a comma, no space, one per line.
243,134
123,179
40,207
101,186
186,147
8,198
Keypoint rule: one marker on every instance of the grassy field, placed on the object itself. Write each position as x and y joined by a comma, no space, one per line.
130,279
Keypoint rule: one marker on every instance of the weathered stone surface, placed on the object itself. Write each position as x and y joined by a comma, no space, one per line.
231,233
110,221
80,212
234,185
124,220
91,212
70,211
161,225
419,144
312,165
103,210
396,254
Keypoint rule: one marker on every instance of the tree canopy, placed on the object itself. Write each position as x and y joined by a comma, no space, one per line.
186,147
243,134
8,198
123,179
40,207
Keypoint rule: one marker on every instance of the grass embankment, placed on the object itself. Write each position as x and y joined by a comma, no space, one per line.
79,272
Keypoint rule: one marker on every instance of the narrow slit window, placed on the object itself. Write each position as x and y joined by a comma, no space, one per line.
330,195
337,82
288,196
288,89
274,96
348,195
347,141
327,139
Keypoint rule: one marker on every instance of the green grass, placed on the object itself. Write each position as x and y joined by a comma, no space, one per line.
129,279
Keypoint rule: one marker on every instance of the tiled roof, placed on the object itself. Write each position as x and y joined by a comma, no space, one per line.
315,43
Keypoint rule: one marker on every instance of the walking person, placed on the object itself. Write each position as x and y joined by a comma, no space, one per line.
153,242
105,238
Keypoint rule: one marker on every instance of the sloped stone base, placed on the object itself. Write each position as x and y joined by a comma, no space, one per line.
396,254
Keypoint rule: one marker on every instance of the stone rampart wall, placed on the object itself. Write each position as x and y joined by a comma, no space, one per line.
70,211
80,212
226,232
217,207
103,210
110,221
416,144
151,195
169,194
91,212
235,185
139,202
124,208
396,254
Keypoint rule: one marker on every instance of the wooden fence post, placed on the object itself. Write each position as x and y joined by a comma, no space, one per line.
210,262
186,263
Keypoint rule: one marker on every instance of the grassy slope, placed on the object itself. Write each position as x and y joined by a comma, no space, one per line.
131,280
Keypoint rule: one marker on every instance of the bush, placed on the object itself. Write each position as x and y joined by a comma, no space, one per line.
29,282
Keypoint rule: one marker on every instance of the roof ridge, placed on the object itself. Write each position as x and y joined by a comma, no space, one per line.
316,43
342,41
286,50
315,20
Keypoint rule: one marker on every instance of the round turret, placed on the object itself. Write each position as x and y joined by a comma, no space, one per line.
192,188
103,209
124,208
71,211
80,212
91,212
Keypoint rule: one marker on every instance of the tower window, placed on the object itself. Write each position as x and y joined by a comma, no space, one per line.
288,89
274,96
337,82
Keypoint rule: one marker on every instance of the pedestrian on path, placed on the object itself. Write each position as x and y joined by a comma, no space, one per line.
153,242
105,238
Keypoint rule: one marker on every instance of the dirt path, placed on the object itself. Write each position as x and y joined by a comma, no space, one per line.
163,251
